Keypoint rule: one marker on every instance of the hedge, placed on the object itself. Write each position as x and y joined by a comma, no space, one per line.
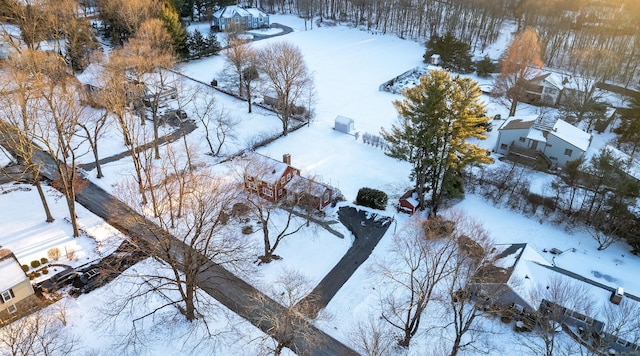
372,198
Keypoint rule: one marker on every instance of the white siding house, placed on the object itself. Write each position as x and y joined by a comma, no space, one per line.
557,140
250,18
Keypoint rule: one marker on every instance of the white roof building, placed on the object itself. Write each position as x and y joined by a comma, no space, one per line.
530,283
556,139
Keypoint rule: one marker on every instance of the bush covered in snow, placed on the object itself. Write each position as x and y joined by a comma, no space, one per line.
372,198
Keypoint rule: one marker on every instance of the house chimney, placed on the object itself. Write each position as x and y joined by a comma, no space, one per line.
286,158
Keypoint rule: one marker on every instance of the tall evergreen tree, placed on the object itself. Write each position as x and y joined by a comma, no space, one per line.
197,44
455,54
436,117
212,44
173,24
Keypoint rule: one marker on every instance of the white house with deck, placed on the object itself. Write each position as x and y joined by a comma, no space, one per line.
557,140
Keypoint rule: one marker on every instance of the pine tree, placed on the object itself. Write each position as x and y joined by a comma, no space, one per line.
455,54
436,118
212,45
197,44
485,67
174,26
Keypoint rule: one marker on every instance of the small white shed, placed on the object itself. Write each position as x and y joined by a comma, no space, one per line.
435,59
344,124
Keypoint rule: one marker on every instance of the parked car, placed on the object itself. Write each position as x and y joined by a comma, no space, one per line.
89,280
59,280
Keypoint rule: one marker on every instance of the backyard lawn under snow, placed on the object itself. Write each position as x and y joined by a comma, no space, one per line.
348,67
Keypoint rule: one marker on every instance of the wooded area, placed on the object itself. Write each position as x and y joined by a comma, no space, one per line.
591,38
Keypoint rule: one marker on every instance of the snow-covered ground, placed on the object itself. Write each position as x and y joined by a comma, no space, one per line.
348,67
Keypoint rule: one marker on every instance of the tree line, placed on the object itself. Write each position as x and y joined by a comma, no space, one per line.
585,37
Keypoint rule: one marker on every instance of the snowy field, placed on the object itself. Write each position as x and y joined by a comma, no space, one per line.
348,67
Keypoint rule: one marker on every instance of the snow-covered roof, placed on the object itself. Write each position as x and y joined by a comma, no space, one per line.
555,80
11,272
529,273
343,120
230,11
256,12
571,134
263,168
518,123
307,185
538,129
536,135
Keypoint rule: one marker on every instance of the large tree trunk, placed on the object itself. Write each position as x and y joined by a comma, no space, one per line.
190,308
514,106
94,148
71,205
43,198
456,345
267,244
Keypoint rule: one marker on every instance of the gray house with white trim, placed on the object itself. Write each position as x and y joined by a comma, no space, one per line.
557,140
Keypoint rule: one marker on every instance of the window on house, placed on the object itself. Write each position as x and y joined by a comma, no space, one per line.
279,192
289,176
325,197
568,152
7,295
503,146
12,309
282,180
267,192
252,186
521,139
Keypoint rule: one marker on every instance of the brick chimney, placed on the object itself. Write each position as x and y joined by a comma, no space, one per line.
286,158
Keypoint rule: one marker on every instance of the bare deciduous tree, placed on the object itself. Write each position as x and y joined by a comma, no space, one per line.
61,111
42,333
552,298
217,122
237,57
124,17
288,78
521,61
21,112
148,54
291,290
194,207
622,320
473,249
372,338
420,259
